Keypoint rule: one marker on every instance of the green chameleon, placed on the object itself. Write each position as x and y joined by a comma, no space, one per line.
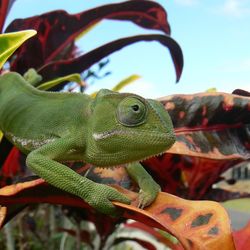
108,130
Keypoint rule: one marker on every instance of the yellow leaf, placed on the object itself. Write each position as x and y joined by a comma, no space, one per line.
211,90
9,42
125,82
86,31
57,81
122,83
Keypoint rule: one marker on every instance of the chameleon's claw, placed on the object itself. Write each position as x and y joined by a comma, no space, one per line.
102,197
149,189
146,198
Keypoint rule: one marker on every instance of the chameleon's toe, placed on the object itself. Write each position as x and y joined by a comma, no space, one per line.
148,195
102,197
145,199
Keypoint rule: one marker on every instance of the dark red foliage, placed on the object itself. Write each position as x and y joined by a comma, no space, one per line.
5,6
241,92
79,64
58,29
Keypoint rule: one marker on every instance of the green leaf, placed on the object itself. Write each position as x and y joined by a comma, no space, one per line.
122,83
125,82
57,81
9,42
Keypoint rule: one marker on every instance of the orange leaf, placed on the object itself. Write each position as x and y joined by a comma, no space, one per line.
196,224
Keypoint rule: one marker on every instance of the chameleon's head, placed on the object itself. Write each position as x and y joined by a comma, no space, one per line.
125,128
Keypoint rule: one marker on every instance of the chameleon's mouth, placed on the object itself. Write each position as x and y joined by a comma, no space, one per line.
130,162
107,134
156,144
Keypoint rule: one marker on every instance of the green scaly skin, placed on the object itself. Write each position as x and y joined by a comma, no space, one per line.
108,130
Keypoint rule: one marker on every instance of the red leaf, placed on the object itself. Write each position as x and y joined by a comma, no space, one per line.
57,29
196,224
187,176
241,92
78,65
5,6
11,165
242,238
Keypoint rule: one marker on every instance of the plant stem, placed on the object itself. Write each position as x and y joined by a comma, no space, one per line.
9,236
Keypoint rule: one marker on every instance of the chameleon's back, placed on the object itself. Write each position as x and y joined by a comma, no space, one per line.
33,114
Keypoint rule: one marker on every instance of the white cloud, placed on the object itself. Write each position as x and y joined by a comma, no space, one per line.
186,2
235,8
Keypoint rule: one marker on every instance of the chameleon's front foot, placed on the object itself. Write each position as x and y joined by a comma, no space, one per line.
149,189
101,197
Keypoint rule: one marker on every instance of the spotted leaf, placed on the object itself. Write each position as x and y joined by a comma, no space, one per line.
212,131
196,224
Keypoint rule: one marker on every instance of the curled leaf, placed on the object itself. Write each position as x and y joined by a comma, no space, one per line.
82,63
58,29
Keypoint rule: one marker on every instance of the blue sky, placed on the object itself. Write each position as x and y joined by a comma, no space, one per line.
214,36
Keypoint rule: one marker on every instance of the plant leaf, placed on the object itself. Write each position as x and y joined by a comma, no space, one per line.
220,195
153,232
242,237
5,6
60,80
12,165
82,63
84,234
196,224
208,126
57,29
11,41
125,82
145,244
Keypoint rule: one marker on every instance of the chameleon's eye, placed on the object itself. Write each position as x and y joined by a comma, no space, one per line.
131,111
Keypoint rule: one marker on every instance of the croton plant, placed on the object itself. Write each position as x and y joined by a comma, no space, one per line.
212,131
